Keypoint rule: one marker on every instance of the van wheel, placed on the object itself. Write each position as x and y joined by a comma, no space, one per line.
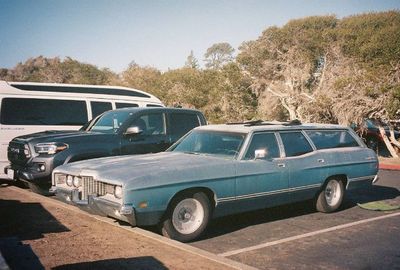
40,189
331,196
187,217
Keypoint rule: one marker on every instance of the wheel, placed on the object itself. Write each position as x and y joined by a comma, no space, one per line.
372,143
187,217
40,189
331,196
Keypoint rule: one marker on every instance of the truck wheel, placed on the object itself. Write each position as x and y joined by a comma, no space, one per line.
187,217
331,196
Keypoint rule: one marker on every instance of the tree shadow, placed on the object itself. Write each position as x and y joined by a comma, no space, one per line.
138,263
18,255
28,221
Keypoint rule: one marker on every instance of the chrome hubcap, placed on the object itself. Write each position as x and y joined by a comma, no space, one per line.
333,192
188,216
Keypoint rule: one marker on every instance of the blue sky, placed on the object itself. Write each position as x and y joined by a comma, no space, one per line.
161,34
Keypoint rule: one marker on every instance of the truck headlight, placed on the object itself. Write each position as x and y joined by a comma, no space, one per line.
50,148
69,180
118,192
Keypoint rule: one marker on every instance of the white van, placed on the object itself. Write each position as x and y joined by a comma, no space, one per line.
33,107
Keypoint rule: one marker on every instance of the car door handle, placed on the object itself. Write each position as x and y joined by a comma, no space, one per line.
321,160
281,165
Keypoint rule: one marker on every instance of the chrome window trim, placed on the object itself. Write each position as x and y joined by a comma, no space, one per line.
267,193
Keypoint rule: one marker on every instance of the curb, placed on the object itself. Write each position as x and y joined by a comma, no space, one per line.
147,234
391,167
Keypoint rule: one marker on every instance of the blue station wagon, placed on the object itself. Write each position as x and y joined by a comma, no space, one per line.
218,170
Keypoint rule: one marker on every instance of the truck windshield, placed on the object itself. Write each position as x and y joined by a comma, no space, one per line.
210,143
110,121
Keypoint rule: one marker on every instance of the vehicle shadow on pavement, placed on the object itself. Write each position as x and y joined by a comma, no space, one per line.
371,194
138,263
228,224
27,221
18,255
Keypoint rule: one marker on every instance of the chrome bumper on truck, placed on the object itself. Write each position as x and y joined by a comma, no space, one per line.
97,205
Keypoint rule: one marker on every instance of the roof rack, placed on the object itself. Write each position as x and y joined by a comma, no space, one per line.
295,122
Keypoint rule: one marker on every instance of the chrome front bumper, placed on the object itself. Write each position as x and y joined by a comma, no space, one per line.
96,205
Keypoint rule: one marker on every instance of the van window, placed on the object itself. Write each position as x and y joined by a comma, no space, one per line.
99,107
263,141
295,144
153,105
324,139
182,123
120,105
30,111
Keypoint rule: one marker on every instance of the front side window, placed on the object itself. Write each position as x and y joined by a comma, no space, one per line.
295,144
266,142
99,107
325,139
32,111
182,123
150,124
211,143
111,121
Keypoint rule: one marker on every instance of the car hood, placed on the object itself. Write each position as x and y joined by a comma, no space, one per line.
142,171
66,136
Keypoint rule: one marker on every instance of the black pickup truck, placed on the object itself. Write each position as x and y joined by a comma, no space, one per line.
119,132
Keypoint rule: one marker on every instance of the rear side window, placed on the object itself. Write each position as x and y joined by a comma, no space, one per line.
120,105
295,144
153,105
263,141
99,107
30,111
182,123
325,139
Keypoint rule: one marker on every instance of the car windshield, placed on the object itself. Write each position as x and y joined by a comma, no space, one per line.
110,121
210,143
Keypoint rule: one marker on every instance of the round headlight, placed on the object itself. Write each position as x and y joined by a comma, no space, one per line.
118,192
77,181
69,180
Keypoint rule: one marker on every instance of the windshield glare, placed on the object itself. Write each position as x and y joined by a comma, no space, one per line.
211,143
110,121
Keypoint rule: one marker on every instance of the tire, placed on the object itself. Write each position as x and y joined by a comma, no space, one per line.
372,143
40,189
331,196
187,217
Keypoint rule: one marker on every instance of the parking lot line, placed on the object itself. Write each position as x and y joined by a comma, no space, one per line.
292,238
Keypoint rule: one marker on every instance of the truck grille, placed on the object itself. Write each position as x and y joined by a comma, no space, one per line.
18,152
93,187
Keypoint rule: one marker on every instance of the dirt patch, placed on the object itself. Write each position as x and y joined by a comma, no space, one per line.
55,237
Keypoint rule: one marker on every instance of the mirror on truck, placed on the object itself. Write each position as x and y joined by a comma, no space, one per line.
130,131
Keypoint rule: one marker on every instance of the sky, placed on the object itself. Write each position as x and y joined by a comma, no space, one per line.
113,33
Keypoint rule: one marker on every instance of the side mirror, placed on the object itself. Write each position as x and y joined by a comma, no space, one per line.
132,131
260,154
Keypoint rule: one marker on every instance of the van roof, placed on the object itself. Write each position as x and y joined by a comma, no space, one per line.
51,88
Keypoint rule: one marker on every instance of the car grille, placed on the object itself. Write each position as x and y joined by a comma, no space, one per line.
16,153
93,187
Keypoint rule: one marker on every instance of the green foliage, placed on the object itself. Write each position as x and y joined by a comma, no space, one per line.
371,38
218,55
